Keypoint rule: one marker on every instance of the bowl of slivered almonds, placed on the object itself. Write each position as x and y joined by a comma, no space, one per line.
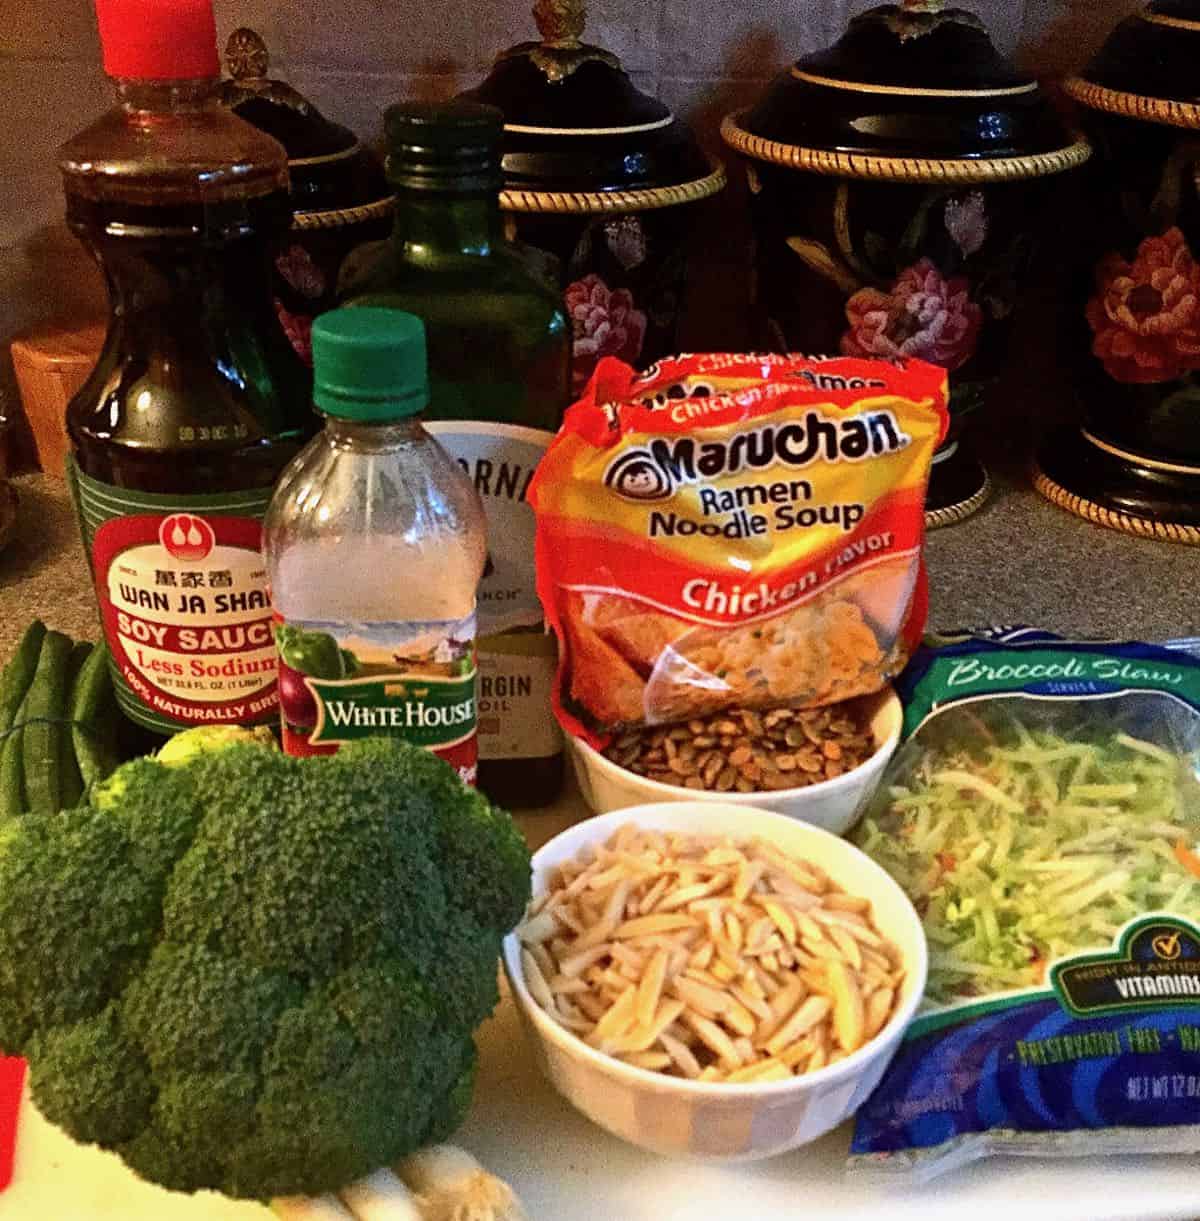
821,765
711,980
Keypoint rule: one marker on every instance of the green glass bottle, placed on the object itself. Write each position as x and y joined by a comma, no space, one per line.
499,351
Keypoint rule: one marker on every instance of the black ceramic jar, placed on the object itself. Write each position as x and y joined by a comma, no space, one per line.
601,187
895,181
1133,332
340,196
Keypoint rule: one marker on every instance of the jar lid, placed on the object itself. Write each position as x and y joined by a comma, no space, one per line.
579,136
911,92
1147,67
330,170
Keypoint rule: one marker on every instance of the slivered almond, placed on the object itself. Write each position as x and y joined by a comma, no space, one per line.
879,1009
848,946
733,932
543,958
758,932
747,878
656,1061
617,1020
650,988
560,985
535,981
644,1035
681,1055
576,964
849,1022
782,1004
539,928
808,1014
689,894
703,956
847,903
715,1039
756,1005
739,1019
640,926
652,896
708,1001
781,919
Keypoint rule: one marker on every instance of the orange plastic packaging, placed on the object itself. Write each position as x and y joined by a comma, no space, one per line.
730,531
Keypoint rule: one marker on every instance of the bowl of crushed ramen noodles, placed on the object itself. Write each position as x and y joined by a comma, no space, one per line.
711,980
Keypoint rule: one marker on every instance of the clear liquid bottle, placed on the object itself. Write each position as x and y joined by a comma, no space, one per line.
197,402
375,543
499,351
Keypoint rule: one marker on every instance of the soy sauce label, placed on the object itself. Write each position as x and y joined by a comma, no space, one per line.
340,682
184,603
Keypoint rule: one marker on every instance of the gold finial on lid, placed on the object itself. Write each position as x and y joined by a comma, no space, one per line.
560,22
246,55
923,6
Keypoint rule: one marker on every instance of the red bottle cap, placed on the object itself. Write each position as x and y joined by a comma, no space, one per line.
158,40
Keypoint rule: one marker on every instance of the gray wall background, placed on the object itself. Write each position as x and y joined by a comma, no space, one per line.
354,57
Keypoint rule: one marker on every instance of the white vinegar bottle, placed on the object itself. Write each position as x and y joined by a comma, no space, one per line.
375,544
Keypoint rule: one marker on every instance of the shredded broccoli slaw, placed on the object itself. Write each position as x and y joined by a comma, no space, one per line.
1032,845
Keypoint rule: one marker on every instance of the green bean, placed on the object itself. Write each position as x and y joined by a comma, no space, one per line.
69,770
18,674
93,712
45,710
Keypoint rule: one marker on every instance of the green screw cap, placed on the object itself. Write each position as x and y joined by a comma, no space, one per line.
369,364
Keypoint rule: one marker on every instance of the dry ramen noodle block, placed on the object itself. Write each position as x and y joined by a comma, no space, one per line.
735,532
634,665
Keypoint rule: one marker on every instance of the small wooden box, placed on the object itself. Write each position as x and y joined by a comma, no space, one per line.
52,361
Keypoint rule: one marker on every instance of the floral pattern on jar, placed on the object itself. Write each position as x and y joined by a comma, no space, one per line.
924,315
1145,315
605,322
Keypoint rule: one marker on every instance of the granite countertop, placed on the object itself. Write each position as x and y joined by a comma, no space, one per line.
1020,560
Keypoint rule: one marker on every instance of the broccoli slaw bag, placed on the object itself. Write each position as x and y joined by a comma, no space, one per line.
735,531
1044,815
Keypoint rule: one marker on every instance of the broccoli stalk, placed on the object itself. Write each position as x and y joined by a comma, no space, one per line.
258,974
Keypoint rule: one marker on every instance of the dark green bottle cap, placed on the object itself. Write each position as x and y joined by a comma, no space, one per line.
369,364
444,146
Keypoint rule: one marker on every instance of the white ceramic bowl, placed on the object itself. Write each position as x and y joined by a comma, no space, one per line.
833,804
672,1116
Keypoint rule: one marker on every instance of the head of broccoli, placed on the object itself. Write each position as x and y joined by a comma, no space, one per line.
258,974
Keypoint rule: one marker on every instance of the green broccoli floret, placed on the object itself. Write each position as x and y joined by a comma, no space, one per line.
258,974
92,1079
76,918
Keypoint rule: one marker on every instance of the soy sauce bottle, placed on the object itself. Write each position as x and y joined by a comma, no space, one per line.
197,402
499,350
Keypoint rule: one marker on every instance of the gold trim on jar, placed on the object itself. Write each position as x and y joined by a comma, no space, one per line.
1114,519
1177,23
951,515
335,218
903,169
1133,105
911,91
591,202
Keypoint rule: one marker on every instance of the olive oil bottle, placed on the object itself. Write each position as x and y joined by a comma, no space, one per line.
499,350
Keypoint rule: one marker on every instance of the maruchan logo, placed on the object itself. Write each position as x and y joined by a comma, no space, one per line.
637,476
186,537
655,471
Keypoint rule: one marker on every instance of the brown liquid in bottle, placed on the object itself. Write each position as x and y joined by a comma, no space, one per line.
196,405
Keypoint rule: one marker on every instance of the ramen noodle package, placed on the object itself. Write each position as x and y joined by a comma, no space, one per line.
733,531
1043,814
